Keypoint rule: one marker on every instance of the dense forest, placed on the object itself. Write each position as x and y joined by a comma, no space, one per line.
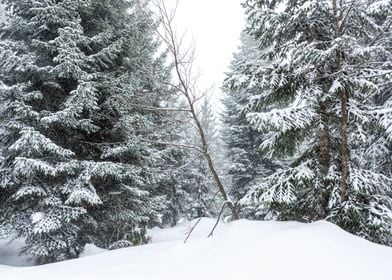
104,133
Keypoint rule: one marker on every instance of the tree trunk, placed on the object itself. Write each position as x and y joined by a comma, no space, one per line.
344,152
344,149
210,162
325,157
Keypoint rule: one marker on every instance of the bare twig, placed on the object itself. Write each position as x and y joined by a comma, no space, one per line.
179,145
163,109
218,219
193,228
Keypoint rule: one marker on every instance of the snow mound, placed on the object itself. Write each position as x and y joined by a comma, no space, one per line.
90,250
242,250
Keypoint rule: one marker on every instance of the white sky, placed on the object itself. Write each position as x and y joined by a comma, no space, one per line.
215,26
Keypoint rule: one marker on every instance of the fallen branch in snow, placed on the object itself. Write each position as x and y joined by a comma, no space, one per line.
208,207
189,234
218,219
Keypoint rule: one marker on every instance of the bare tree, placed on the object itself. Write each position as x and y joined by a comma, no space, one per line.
186,85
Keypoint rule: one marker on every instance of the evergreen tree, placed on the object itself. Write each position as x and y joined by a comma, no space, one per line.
246,165
75,158
316,101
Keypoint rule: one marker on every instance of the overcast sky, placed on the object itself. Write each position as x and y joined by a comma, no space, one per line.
215,26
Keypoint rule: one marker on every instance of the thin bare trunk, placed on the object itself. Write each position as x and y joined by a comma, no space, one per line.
187,87
210,162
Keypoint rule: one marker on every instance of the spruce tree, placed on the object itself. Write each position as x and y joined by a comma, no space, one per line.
316,103
246,165
74,167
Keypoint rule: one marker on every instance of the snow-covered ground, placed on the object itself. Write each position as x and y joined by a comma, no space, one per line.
242,250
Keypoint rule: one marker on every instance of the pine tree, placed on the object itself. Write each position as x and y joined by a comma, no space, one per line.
246,165
316,102
368,207
75,158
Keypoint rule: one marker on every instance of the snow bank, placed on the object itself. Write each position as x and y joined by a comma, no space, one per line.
242,250
90,250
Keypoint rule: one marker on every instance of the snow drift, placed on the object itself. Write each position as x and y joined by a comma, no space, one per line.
241,250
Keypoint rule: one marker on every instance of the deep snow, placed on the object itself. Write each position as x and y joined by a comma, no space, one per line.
242,250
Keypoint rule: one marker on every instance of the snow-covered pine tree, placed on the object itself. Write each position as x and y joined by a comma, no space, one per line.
366,61
291,104
35,166
134,88
245,164
74,167
326,65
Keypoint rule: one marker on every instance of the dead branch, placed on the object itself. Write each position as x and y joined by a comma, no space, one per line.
193,228
161,109
179,145
218,219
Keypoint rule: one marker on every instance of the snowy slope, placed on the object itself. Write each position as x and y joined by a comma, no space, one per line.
242,250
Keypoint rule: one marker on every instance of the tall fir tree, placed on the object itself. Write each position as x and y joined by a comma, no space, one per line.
76,161
326,64
246,165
